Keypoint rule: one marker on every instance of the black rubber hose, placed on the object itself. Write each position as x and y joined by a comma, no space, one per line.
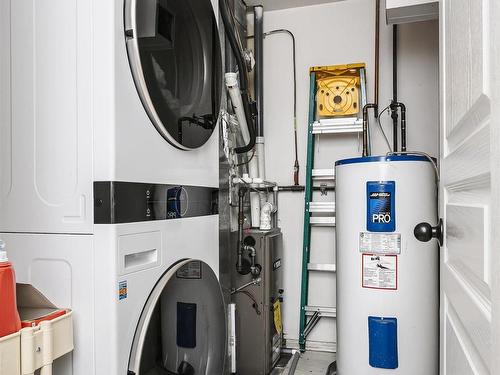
245,96
241,219
255,304
403,126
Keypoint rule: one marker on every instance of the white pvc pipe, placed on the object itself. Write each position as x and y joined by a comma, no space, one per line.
253,166
259,145
233,87
265,216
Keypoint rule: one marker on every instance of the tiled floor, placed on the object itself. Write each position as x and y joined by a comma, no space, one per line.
312,363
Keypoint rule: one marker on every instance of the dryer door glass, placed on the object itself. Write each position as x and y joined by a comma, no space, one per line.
182,329
175,56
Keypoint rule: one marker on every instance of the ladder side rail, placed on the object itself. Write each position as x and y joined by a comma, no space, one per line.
304,291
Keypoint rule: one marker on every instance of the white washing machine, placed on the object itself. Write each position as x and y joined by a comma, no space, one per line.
146,298
103,90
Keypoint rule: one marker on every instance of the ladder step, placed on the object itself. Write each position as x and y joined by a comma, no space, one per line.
336,126
322,207
322,267
324,311
323,174
322,221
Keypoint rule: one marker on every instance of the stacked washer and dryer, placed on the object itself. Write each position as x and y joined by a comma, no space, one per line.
108,175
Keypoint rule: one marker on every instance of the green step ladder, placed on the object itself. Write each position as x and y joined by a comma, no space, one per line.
321,214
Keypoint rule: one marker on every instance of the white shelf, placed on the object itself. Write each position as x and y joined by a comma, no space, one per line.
323,174
327,312
322,221
321,267
338,126
322,207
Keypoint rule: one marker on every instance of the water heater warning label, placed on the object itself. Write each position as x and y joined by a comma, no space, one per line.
380,271
380,243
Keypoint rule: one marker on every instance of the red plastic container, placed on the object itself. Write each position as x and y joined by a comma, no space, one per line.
9,316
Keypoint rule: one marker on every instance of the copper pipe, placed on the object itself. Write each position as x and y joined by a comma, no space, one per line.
377,55
365,126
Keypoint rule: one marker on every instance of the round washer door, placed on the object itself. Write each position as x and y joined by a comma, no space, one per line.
182,329
175,56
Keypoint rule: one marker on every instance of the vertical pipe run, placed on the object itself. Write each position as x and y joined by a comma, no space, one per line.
296,166
403,126
253,164
258,16
241,220
377,55
394,109
365,127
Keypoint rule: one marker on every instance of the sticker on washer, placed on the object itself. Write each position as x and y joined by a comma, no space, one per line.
380,271
191,270
380,243
122,290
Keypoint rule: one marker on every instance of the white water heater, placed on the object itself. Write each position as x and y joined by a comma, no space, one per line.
387,280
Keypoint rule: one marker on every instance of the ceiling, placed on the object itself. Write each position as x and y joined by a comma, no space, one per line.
283,4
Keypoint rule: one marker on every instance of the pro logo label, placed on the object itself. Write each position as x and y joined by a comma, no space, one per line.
380,202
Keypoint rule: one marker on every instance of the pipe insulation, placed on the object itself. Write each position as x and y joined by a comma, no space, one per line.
260,154
233,88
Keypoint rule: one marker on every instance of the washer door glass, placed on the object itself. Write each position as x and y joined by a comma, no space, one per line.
182,329
175,57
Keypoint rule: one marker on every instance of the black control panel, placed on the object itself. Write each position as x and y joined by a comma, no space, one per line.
126,202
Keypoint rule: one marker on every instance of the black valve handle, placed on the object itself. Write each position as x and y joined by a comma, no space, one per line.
425,232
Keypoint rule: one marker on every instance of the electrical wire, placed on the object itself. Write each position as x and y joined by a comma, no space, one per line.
248,161
235,23
296,166
419,153
250,295
382,129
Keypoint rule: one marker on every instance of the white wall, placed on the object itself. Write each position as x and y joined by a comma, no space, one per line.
329,34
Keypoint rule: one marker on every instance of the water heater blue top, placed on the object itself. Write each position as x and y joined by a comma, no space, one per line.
376,159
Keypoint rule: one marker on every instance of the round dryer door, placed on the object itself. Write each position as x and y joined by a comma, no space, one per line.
182,329
175,57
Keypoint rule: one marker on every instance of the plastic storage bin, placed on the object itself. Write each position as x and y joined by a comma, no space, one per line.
37,347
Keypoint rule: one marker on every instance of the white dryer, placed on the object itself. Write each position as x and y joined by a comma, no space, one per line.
103,90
